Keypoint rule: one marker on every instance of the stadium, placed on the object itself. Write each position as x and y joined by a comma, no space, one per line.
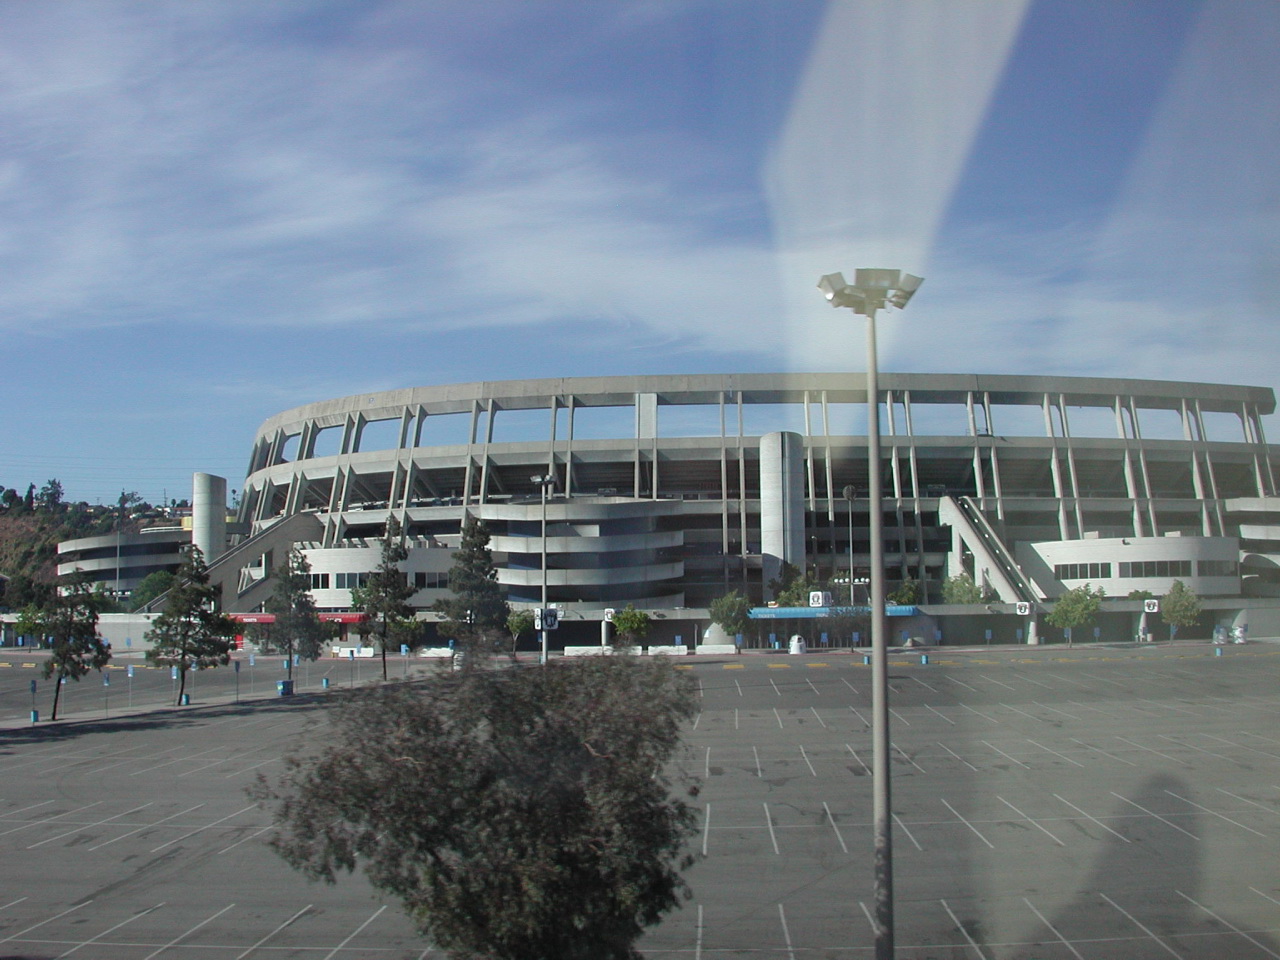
667,492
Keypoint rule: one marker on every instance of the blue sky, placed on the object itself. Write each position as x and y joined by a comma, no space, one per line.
213,211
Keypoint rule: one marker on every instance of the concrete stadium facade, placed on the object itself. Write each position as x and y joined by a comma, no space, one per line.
672,490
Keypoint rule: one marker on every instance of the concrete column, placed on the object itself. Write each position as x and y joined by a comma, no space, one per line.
781,503
209,515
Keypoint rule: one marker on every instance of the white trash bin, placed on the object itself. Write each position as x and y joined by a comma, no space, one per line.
797,644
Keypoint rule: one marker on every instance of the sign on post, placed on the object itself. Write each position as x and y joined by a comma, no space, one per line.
1150,606
546,618
1023,609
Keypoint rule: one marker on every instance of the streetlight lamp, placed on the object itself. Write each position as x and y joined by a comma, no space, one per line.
874,290
543,483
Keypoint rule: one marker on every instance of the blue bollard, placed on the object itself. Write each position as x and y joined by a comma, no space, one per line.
325,683
924,658
1217,651
186,699
35,716
866,660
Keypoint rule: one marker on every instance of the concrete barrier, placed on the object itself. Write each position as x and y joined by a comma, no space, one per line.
439,653
716,649
671,651
361,652
594,650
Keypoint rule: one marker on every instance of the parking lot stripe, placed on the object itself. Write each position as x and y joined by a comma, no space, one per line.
1030,716
865,721
773,837
1210,753
1151,813
1247,800
957,756
706,828
1052,929
13,903
146,827
779,716
806,761
35,926
738,685
1215,813
1230,926
775,687
735,718
1149,750
979,713
1134,920
697,946
810,683
1089,746
904,720
706,764
354,933
902,826
1005,755
88,826
941,714
112,929
1045,706
759,769
176,940
57,816
975,830
906,756
832,820
1054,752
1030,821
256,833
274,932
961,927
1242,746
858,758
925,685
1092,819
786,934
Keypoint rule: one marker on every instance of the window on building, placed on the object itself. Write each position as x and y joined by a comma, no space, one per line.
319,581
1083,571
1155,568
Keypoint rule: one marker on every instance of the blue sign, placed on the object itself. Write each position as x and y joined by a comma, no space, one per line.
236,665
404,649
130,671
106,680
173,673
251,659
33,686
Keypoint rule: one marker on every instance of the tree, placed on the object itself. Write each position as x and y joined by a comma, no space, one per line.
190,634
907,594
792,588
384,597
1076,608
476,611
69,622
961,589
630,626
1180,607
731,613
153,585
50,497
516,814
519,622
297,625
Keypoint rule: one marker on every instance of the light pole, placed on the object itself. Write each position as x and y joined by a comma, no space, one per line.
873,290
543,483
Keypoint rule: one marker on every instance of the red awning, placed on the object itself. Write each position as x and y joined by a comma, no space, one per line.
253,617
342,617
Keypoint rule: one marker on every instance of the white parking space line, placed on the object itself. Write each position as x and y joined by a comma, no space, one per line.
178,939
354,933
1089,706
775,687
806,761
9,814
1151,813
850,685
1215,813
735,718
856,713
129,920
786,934
779,716
759,769
903,827
963,684
282,926
1231,926
148,826
832,820
925,685
907,757
1090,746
13,903
1167,706
999,682
1038,683
1005,755
1260,806
706,765
696,720
975,830
1092,819
1030,821
858,758
941,714
1211,753
1123,686
256,833
1242,746
905,722
739,686
773,837
818,718
961,927
57,816
979,713
36,926
90,826
1045,706
1149,750
1137,923
1036,743
1052,929
190,756
706,828
1030,716
815,689
957,756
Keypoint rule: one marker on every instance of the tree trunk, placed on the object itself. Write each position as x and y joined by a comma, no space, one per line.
57,692
182,684
384,652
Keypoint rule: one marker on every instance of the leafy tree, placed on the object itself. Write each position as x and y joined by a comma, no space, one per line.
50,497
519,622
476,611
190,634
69,622
298,625
961,589
1140,595
842,622
1077,607
516,814
630,626
731,613
24,591
384,597
153,585
907,594
792,588
1180,607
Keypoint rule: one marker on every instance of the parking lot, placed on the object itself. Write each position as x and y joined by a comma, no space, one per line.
1093,803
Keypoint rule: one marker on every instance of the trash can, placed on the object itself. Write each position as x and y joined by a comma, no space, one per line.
186,699
797,644
284,688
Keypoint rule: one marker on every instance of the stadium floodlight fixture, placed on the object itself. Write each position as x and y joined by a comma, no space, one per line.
872,290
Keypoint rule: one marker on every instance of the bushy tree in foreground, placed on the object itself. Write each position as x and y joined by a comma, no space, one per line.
1077,607
517,814
630,626
190,634
731,613
1180,607
69,621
